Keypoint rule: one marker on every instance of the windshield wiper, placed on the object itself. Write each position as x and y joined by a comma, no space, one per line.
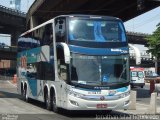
124,68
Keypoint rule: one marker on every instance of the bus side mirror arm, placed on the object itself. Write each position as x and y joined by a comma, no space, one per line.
137,54
66,52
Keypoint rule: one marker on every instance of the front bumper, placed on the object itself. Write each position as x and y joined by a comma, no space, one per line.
81,104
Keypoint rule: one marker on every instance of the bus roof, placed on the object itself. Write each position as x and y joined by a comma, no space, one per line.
71,16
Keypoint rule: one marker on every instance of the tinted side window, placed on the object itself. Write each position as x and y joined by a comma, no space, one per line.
27,42
60,29
47,38
45,71
39,37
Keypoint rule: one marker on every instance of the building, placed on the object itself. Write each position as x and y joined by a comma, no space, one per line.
15,4
7,68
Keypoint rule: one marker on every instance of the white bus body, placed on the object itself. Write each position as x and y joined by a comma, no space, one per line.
46,57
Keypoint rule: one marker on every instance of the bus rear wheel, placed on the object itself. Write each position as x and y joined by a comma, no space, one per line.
54,104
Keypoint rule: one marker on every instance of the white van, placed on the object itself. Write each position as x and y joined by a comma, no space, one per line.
137,76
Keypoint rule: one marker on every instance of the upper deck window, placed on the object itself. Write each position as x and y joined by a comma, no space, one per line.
96,30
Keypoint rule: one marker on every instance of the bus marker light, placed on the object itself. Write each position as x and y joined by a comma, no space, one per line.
126,102
74,102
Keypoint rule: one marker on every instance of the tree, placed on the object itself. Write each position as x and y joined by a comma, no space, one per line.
154,45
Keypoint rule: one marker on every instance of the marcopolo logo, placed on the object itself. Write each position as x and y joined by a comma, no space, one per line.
102,98
119,50
116,50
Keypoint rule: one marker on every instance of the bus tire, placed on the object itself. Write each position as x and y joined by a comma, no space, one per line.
22,90
25,94
54,104
47,102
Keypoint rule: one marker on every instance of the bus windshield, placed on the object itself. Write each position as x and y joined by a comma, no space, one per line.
96,30
99,70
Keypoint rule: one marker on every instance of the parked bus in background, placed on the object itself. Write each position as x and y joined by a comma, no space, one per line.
137,76
75,62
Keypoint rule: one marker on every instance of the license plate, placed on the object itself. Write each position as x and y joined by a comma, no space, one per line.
101,105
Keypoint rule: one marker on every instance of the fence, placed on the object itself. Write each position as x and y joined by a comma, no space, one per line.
3,77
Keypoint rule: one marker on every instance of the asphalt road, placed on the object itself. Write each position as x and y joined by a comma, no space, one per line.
13,107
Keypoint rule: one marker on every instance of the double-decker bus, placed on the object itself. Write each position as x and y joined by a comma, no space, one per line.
75,62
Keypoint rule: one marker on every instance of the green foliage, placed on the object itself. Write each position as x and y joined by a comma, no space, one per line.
154,42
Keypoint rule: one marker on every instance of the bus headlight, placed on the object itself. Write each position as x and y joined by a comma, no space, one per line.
124,94
75,94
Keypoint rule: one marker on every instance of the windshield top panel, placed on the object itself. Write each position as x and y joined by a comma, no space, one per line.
96,30
99,70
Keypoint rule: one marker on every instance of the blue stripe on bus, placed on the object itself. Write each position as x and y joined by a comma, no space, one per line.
33,86
98,51
122,89
30,54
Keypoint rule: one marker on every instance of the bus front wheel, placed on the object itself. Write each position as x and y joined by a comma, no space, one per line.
25,94
47,102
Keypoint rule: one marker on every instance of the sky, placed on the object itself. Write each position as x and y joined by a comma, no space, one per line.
25,4
145,23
